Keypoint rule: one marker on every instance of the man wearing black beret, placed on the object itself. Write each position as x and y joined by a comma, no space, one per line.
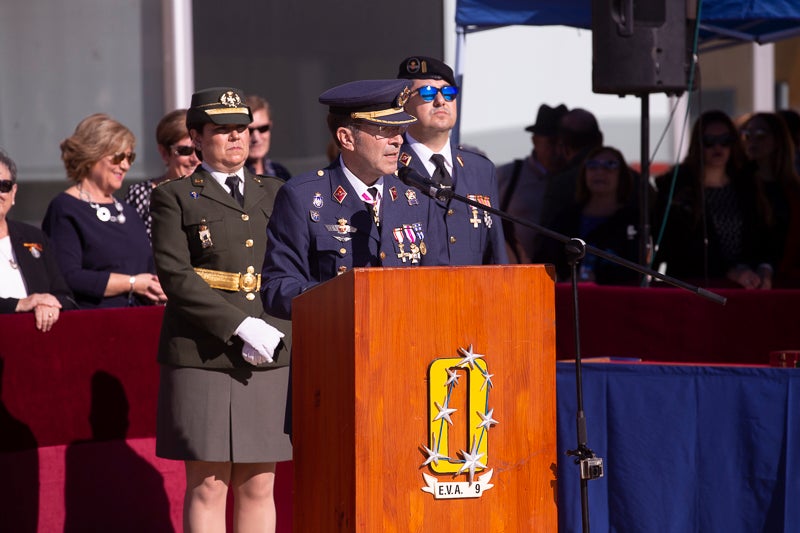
473,236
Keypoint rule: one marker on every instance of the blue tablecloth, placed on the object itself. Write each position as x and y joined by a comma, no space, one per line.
686,448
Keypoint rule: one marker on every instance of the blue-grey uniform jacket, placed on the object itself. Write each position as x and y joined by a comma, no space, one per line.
473,236
320,228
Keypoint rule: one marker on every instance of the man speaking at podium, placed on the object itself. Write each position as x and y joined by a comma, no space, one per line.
355,212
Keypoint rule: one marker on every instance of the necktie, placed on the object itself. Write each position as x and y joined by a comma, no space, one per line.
233,183
441,176
373,206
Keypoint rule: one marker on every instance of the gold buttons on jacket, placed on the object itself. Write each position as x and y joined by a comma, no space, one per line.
249,243
245,217
382,255
342,251
452,239
250,296
450,212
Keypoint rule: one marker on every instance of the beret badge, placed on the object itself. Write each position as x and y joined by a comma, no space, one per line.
412,65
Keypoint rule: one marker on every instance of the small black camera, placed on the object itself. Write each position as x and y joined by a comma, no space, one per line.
591,468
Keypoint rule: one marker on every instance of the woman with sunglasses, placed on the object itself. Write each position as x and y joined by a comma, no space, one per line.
770,149
101,243
177,152
30,280
602,216
710,213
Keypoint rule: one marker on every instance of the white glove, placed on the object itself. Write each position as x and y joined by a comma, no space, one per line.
252,356
261,337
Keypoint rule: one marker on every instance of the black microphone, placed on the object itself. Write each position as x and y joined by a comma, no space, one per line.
412,178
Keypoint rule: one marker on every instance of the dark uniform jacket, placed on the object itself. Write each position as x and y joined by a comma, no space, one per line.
199,322
38,266
320,228
473,236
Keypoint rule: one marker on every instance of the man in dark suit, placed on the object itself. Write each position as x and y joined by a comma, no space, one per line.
224,361
474,237
355,212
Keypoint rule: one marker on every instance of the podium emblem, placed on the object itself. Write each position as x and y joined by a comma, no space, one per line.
458,469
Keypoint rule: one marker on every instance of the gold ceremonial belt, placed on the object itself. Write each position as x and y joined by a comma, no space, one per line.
231,281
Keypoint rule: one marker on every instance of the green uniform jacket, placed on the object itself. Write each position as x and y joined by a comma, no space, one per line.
199,322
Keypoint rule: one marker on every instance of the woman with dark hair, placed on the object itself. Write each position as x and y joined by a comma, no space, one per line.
101,243
29,276
602,216
712,212
177,151
770,148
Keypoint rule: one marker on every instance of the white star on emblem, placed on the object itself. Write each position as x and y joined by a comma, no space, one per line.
433,455
486,419
444,412
487,380
454,375
469,357
471,461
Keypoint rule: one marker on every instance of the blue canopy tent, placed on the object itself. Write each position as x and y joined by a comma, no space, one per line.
721,21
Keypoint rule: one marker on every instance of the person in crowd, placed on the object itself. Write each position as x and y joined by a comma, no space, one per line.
473,236
792,120
770,148
258,162
601,216
29,276
224,361
101,243
355,212
177,152
578,134
711,211
522,183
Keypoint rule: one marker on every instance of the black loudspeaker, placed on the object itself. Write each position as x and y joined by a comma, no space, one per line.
640,46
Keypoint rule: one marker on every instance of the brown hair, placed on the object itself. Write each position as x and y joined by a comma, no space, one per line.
95,137
256,102
171,128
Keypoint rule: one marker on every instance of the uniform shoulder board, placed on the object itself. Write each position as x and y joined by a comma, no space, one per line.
268,177
472,150
164,182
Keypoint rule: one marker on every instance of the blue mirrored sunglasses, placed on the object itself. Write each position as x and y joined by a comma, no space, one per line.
428,92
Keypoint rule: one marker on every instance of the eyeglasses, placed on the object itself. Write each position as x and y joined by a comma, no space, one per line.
6,185
117,158
724,140
607,164
184,150
754,134
428,92
260,129
383,132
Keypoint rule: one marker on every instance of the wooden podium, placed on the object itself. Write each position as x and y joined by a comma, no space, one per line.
453,366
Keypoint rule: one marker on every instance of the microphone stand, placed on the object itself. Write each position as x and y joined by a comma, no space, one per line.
591,466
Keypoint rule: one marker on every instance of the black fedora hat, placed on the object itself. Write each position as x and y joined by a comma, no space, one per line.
547,120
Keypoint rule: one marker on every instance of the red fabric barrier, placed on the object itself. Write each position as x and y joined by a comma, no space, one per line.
674,325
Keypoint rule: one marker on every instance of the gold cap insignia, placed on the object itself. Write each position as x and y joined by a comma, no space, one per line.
230,99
